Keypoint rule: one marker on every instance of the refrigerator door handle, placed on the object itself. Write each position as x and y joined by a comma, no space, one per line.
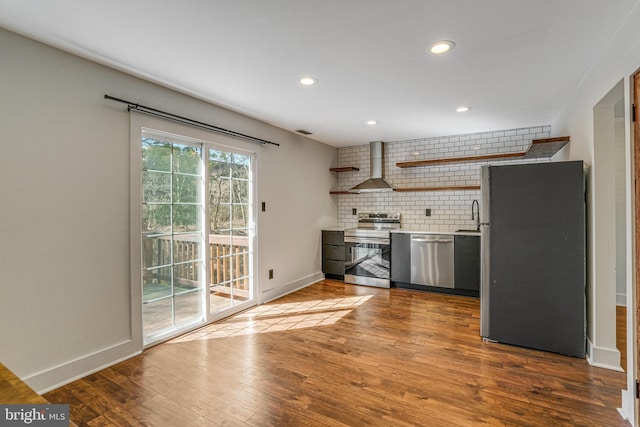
484,251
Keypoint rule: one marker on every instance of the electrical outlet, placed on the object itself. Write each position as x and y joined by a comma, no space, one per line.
427,212
354,211
270,273
264,206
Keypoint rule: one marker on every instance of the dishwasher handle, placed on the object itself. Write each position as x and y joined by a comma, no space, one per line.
432,239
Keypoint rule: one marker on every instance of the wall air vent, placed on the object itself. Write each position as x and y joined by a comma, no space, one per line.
303,132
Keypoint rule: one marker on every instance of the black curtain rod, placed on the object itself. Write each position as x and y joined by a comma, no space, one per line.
187,121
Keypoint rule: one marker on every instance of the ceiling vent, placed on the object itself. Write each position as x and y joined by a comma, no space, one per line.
303,132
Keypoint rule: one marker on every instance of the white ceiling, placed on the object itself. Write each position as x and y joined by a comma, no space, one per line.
516,62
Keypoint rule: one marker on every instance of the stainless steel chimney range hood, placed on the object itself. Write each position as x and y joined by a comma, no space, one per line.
376,183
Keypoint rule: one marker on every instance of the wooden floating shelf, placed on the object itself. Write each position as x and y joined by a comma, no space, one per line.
547,147
539,148
345,169
417,189
453,188
418,163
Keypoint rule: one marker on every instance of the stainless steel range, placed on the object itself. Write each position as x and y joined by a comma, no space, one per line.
368,249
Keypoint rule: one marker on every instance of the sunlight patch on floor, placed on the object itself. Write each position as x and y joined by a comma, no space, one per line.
278,317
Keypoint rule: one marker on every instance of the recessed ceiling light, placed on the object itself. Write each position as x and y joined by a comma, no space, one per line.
308,81
371,122
441,46
463,109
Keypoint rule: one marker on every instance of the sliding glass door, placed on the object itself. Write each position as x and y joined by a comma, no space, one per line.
230,228
197,233
172,236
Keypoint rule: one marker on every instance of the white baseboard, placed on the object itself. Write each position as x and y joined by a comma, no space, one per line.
626,409
601,357
275,293
65,373
621,300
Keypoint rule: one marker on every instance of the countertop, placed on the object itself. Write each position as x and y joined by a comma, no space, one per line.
418,230
422,230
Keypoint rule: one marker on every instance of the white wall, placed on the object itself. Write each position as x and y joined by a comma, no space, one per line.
617,62
64,191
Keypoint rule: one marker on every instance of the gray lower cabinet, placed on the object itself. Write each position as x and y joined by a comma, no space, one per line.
467,263
333,254
401,257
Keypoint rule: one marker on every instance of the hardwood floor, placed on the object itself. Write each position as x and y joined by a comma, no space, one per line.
334,355
621,334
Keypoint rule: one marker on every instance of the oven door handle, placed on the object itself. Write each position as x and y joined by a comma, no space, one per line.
371,240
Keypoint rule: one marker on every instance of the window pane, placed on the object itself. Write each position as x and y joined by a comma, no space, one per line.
218,163
240,290
186,159
219,191
239,159
240,216
156,283
156,187
240,166
156,155
240,232
240,192
156,251
185,189
188,307
156,218
185,218
185,277
220,219
157,315
186,247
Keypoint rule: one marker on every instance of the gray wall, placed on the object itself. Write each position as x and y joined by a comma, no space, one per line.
64,173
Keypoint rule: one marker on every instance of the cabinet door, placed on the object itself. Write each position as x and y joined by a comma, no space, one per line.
333,237
401,257
467,262
335,252
331,266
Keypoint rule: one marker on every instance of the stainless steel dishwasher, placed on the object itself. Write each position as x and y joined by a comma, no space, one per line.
432,260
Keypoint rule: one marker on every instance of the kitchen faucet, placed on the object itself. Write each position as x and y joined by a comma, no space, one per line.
475,214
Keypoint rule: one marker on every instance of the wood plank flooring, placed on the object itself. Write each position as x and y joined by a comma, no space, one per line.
342,355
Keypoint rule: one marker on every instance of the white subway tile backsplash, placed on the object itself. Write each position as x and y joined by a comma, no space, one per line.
451,210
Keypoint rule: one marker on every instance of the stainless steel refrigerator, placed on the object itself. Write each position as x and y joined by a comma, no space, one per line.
533,287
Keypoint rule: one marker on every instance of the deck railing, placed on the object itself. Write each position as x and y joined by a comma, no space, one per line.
228,263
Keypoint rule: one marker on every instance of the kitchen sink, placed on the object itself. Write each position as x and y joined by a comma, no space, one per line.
467,231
